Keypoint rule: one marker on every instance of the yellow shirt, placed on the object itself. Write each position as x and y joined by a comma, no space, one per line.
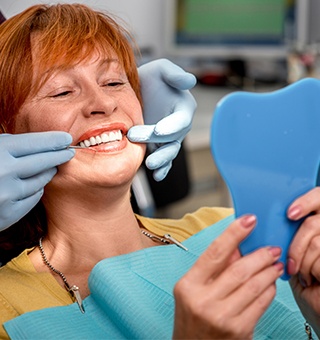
23,289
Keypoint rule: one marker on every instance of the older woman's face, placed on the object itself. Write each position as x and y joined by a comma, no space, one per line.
95,103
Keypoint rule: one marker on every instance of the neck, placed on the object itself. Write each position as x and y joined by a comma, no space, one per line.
88,230
83,230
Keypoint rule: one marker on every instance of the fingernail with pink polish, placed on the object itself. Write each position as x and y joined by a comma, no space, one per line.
291,266
294,212
275,251
279,266
248,221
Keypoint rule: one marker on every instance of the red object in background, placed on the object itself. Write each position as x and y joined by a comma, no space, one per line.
212,79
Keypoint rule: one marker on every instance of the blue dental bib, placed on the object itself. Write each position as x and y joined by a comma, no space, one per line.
132,298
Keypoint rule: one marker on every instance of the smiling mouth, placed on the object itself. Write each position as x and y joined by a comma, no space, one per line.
105,137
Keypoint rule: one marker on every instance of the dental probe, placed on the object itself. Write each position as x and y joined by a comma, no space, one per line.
78,147
75,147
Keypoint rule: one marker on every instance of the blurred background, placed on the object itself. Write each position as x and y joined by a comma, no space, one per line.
230,45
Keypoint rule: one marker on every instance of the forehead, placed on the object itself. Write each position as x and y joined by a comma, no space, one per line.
68,52
47,60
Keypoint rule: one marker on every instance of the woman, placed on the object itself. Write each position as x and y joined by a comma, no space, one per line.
80,78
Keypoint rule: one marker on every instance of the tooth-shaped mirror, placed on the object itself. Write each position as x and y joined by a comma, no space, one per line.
267,148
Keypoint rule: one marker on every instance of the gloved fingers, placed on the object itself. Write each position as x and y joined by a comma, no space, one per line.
145,134
32,165
175,76
141,133
20,209
16,189
32,185
178,122
161,173
31,143
171,73
163,156
24,195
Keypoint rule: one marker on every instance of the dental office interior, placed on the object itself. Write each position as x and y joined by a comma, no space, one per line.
229,45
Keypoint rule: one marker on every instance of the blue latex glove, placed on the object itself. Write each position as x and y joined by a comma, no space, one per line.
168,113
28,163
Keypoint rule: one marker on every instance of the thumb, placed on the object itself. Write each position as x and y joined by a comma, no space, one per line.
175,76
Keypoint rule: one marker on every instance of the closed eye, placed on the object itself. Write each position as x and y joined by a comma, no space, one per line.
61,94
115,83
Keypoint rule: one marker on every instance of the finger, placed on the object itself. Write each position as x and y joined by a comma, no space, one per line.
24,197
253,298
32,165
175,76
254,288
177,122
20,209
32,143
28,187
305,204
252,313
213,261
146,134
301,242
25,205
310,260
243,271
315,270
161,173
142,134
162,156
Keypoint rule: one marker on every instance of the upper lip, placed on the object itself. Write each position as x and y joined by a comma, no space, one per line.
96,131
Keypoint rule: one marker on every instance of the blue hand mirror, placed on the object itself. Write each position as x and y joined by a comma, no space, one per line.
267,148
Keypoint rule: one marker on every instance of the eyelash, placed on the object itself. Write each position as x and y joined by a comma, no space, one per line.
114,84
111,84
61,94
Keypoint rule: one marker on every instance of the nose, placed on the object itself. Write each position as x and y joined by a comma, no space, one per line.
97,101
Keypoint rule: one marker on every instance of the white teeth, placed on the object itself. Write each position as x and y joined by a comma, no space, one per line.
93,140
105,137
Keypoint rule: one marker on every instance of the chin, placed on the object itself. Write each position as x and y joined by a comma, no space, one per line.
107,172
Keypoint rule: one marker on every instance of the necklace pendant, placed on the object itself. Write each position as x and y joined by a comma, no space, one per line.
176,242
74,290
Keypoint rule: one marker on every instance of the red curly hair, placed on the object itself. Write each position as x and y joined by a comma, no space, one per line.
65,35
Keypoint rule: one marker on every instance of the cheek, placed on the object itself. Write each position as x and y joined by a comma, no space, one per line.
22,121
140,153
38,118
137,119
31,119
132,107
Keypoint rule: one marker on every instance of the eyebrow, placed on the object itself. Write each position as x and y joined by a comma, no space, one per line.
108,61
101,63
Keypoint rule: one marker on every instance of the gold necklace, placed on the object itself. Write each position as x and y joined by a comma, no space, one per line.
167,239
72,290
